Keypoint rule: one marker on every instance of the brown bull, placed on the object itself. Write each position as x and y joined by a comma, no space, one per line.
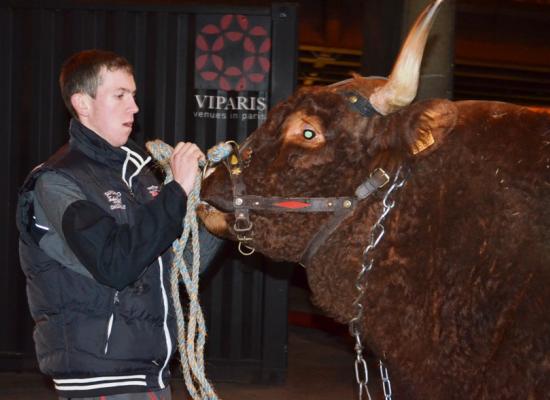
458,302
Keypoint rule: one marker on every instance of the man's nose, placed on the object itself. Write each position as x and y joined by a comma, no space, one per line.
133,107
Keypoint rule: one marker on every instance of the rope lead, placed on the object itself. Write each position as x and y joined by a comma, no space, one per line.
191,341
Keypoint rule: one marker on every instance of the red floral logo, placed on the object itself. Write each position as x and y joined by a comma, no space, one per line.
232,52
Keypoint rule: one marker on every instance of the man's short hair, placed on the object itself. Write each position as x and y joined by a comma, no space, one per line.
81,73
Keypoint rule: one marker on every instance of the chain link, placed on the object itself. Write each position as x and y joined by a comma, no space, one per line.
355,324
386,384
360,362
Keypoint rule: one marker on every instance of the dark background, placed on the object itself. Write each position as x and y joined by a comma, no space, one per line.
493,49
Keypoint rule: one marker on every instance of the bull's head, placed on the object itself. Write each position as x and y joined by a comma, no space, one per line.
325,142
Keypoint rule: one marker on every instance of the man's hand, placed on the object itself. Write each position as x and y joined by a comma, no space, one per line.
185,164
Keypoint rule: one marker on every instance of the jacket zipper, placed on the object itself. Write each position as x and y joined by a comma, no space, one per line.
110,324
165,324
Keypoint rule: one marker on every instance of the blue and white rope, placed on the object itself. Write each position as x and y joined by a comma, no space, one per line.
191,340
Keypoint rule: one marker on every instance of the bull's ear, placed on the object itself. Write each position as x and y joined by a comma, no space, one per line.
428,124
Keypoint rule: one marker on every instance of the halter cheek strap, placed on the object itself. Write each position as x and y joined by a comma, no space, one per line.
377,179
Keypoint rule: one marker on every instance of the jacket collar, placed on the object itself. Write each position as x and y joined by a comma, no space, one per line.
97,148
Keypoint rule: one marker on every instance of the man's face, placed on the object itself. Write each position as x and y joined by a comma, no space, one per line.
111,113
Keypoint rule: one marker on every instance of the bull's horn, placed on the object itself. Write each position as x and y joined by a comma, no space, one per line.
402,85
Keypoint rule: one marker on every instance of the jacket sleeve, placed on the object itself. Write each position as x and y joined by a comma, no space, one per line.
115,254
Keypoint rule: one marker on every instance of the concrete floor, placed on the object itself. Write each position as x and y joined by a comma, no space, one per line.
320,365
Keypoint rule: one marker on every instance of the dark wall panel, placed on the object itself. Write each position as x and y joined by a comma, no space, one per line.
245,298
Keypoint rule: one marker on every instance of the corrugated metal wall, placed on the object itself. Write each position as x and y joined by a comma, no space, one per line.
246,300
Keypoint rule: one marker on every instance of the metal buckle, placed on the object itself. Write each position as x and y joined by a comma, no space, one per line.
381,173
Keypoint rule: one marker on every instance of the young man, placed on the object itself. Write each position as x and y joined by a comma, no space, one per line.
96,229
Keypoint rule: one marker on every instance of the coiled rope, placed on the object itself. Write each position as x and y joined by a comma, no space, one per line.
191,341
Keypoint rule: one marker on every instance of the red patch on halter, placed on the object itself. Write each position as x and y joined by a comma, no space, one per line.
293,204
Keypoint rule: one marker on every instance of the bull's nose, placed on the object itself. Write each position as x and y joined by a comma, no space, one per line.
217,191
225,205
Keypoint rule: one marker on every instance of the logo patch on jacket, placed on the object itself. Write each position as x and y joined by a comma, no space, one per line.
154,190
115,200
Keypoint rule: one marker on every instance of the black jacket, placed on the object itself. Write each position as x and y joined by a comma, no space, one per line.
95,251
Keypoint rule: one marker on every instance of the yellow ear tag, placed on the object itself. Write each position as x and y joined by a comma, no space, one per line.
422,145
233,160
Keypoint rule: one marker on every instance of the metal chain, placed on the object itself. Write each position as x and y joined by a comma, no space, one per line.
360,363
386,384
376,234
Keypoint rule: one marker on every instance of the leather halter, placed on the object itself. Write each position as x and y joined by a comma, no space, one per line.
341,207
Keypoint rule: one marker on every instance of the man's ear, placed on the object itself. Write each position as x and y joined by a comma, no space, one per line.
81,104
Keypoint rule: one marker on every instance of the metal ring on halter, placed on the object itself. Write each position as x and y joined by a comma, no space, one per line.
234,144
245,228
250,251
204,169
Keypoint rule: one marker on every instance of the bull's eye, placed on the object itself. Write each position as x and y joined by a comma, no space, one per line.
308,134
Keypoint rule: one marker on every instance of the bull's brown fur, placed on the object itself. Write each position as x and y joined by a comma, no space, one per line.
458,299
457,302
